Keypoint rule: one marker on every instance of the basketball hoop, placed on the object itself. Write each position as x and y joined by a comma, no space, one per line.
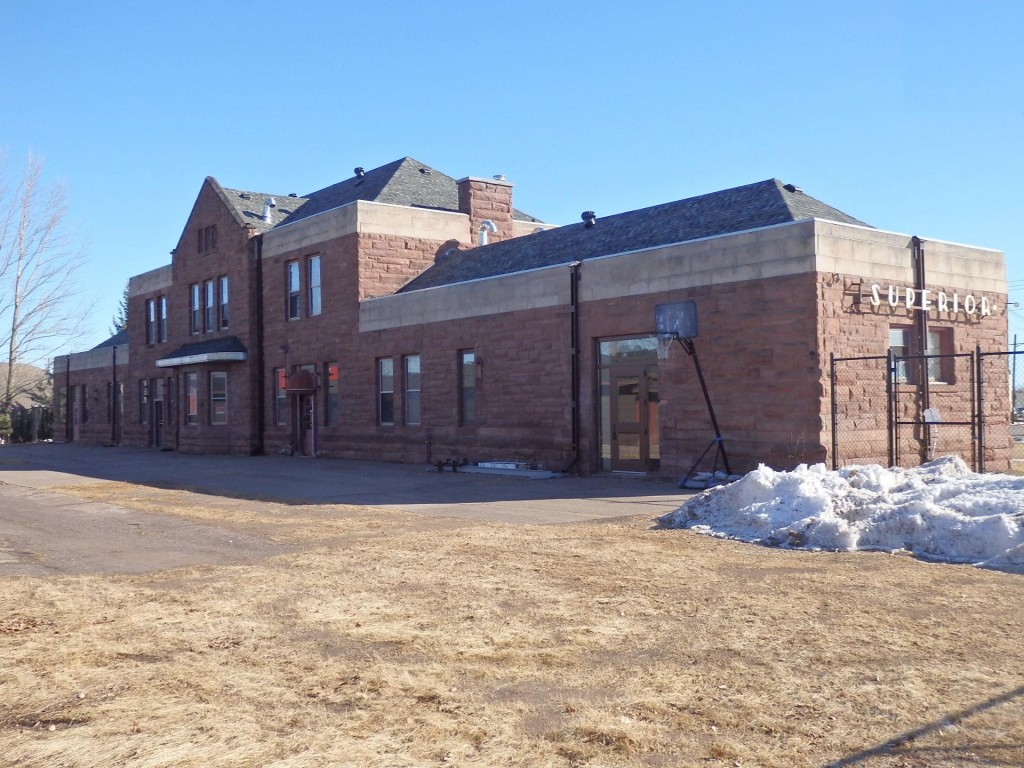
665,344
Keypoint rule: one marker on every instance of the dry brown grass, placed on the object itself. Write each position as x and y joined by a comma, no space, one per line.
397,640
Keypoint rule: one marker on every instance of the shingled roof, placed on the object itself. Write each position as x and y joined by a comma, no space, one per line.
405,182
732,210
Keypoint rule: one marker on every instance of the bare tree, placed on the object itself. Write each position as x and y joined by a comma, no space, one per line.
40,309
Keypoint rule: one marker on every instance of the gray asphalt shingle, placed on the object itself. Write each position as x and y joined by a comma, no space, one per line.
752,206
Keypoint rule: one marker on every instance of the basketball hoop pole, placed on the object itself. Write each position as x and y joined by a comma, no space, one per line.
691,350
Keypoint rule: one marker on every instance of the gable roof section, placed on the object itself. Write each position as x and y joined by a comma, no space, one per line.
117,340
247,206
761,204
406,182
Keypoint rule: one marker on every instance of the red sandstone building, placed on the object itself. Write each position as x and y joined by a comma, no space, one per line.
401,315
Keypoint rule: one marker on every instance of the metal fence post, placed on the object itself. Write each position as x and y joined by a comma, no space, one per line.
981,409
835,410
890,406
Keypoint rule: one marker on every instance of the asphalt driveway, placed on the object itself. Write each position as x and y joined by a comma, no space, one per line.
44,531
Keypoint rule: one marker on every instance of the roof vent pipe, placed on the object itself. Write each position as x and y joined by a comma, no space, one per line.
486,226
589,218
267,205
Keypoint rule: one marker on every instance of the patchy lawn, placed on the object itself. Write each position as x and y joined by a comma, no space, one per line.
397,640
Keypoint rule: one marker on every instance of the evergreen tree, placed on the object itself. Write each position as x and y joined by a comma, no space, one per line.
120,322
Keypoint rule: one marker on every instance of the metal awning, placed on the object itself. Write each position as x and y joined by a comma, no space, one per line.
224,350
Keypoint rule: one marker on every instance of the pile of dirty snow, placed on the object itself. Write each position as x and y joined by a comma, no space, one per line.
940,511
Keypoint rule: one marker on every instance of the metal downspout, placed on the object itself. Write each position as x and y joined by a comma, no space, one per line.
113,396
259,446
574,361
67,399
917,256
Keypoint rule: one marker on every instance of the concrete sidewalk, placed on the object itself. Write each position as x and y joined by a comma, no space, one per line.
298,480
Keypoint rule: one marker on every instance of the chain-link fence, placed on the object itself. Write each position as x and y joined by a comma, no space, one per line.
904,411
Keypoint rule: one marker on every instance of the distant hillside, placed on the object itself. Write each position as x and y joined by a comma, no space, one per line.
32,386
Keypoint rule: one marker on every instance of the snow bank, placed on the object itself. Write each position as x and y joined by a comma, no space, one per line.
940,510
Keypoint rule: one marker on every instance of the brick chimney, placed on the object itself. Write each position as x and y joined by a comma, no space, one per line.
487,200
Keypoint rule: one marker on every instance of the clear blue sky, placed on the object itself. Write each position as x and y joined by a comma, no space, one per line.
908,115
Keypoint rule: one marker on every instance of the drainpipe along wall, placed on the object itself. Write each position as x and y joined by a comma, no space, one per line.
917,256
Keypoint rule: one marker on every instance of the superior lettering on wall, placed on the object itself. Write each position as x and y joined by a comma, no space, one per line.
925,300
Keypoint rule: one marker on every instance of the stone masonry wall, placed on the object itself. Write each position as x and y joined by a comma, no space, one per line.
852,327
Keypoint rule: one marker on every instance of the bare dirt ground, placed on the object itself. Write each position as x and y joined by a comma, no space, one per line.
381,638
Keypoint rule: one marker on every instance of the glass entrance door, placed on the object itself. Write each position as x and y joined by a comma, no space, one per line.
633,411
628,407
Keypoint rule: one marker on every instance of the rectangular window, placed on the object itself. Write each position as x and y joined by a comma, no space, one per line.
940,342
191,399
150,321
110,402
162,320
333,384
386,391
218,398
193,308
280,397
223,301
899,345
200,240
412,389
211,237
314,285
210,318
144,401
62,404
467,386
294,291
85,403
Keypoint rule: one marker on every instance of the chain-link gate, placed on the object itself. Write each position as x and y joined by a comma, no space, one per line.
904,411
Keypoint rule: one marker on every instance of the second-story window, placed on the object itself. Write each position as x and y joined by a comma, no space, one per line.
162,319
151,321
193,308
210,317
294,291
223,301
314,285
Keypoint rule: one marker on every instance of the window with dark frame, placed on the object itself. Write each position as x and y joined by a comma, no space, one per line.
294,277
899,345
206,238
193,308
191,399
223,283
413,400
162,319
386,391
210,317
143,401
280,397
313,278
333,390
467,386
151,321
940,342
218,398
